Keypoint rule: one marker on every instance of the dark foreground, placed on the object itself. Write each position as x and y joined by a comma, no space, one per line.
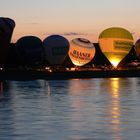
62,75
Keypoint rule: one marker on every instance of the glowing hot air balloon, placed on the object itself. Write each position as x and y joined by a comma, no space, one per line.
7,26
115,43
81,51
56,49
137,48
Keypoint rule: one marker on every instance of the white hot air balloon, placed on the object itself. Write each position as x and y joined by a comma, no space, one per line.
81,51
115,44
56,49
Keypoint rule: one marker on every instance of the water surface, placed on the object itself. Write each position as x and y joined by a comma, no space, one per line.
78,109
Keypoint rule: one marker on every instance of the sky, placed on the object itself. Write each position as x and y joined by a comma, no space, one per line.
71,18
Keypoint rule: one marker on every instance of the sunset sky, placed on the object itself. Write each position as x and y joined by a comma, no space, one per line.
71,18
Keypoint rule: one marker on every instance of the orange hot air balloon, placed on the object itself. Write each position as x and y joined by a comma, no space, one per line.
81,51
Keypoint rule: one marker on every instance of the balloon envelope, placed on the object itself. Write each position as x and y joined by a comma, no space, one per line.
115,44
81,51
29,49
56,49
6,30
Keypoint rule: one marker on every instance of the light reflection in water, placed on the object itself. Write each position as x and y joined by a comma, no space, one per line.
47,87
82,109
1,89
115,110
78,87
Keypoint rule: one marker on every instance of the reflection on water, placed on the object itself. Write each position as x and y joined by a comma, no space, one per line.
100,109
115,109
1,89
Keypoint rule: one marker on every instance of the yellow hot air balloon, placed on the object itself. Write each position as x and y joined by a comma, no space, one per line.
115,44
81,51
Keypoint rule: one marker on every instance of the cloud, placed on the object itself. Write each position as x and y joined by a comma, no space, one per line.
133,33
72,34
32,23
66,34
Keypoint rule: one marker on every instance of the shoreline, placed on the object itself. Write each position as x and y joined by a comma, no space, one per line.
63,75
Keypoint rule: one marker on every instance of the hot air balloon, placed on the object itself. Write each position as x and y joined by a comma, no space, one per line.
29,49
6,30
115,44
56,49
137,47
81,51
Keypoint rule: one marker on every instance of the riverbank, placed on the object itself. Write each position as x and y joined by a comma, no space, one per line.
62,75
